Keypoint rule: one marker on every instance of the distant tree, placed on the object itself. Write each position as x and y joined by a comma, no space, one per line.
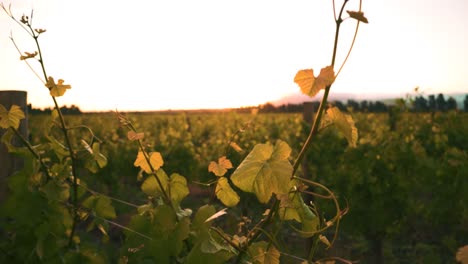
364,106
380,107
432,103
451,103
340,105
420,104
353,105
267,108
465,103
441,104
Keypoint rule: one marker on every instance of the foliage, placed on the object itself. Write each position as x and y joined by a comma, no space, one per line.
52,214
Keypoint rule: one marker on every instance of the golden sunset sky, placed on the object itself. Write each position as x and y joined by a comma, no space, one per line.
191,54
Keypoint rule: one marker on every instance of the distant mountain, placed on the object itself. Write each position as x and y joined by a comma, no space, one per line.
299,98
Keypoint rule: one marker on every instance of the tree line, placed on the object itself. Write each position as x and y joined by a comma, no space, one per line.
432,103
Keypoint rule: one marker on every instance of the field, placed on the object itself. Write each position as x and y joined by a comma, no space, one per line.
405,183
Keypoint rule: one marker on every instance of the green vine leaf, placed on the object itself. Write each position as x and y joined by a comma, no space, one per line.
310,85
101,205
56,191
225,193
345,124
265,170
292,207
11,118
178,188
151,187
155,159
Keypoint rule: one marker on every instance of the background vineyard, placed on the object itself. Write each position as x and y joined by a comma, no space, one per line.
405,182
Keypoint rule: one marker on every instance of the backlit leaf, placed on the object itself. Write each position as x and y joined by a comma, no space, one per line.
225,193
220,168
98,156
345,124
155,159
11,118
178,188
358,15
57,89
265,170
151,187
292,207
236,147
311,85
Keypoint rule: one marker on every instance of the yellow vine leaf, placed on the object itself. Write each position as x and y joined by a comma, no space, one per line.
462,255
57,89
236,147
225,193
358,15
265,170
311,85
131,135
220,168
11,118
345,124
155,159
28,55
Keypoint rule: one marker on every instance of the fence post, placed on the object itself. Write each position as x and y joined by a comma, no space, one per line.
9,163
308,112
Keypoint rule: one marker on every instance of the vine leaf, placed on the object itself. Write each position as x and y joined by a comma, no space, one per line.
155,159
11,118
57,89
292,207
132,135
345,124
462,255
358,15
101,205
265,170
151,187
311,85
28,55
225,193
264,254
178,188
220,168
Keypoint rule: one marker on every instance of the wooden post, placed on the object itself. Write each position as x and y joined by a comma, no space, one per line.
8,163
308,112
308,117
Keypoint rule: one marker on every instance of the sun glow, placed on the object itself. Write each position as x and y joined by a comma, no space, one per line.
212,54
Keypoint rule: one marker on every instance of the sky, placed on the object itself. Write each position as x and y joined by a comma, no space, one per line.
192,54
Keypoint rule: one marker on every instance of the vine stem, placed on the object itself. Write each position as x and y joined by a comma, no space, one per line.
318,117
35,154
315,127
63,126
